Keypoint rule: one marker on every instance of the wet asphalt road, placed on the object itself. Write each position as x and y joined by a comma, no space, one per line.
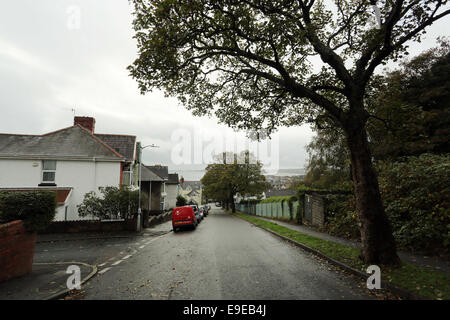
224,258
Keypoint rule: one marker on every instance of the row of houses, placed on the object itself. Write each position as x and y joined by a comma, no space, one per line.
76,160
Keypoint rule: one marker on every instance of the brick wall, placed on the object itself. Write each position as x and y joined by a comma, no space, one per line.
16,250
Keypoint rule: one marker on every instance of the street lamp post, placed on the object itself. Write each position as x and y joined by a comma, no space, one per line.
140,183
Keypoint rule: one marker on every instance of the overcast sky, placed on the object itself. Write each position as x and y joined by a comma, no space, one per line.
48,68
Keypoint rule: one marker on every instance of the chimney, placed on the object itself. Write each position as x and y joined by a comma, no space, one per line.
85,122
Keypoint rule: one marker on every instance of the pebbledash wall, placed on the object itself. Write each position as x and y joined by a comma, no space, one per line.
16,250
170,200
81,175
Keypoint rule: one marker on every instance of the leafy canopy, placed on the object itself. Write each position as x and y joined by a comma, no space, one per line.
411,116
266,63
241,176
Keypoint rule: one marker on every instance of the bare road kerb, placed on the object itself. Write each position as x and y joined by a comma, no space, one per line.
62,293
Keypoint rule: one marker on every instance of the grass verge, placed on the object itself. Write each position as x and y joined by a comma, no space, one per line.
422,281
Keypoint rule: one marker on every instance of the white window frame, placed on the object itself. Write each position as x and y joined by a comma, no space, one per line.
130,175
48,170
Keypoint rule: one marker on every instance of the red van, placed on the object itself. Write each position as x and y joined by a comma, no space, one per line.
183,217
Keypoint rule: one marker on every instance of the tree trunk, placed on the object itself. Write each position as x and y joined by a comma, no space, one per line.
233,206
378,244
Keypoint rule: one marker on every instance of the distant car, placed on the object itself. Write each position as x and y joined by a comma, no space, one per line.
218,204
196,212
183,217
204,211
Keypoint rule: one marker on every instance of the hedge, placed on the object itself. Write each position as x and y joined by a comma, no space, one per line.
416,196
35,208
279,199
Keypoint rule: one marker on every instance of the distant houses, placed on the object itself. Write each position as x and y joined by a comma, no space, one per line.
169,187
76,160
191,191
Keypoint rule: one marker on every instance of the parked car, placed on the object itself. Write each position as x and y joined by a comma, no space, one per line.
196,212
204,211
183,217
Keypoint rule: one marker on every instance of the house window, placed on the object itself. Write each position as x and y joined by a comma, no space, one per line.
127,175
48,171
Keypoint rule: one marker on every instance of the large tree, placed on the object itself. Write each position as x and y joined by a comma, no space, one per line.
251,63
241,174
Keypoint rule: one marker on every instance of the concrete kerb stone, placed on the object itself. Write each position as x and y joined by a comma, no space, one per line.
64,292
394,289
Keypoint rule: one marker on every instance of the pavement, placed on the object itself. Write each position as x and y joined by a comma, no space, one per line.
54,253
419,259
43,283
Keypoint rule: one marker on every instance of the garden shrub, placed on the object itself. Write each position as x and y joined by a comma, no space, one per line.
342,219
279,199
114,203
35,208
416,195
181,201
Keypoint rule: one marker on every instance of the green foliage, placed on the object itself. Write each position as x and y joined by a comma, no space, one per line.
114,203
414,105
411,115
35,208
416,195
249,62
342,219
328,165
238,175
181,201
279,199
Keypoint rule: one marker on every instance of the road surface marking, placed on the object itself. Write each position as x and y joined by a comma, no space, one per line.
126,257
104,270
117,262
141,247
101,265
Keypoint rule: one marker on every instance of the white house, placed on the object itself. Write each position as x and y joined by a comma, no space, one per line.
71,161
169,187
172,188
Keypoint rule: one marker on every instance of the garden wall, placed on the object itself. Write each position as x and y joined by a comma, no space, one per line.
16,250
